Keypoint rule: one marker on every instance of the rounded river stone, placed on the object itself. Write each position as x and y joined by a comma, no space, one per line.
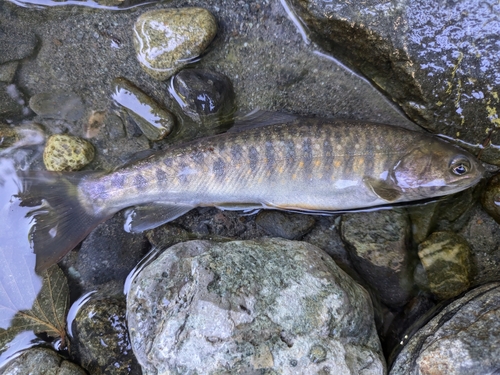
64,152
250,307
165,40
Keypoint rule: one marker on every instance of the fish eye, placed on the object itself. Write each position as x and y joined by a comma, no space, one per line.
460,167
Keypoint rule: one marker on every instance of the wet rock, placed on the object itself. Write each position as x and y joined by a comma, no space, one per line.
7,71
283,224
416,51
462,339
108,254
325,235
269,306
153,120
445,257
423,220
41,361
205,96
24,46
11,102
101,338
483,235
490,198
165,40
378,243
65,152
59,105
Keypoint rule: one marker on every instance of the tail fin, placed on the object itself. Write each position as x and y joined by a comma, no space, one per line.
58,221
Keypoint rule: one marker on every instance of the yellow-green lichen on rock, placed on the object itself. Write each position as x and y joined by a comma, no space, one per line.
64,152
165,40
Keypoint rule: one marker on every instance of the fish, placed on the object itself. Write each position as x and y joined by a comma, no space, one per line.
308,165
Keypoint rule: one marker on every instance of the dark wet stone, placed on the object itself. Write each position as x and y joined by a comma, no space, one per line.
446,260
203,95
165,40
252,307
12,104
154,121
326,235
490,198
379,246
16,44
41,361
109,254
283,224
8,70
445,79
423,220
60,105
101,338
464,338
483,235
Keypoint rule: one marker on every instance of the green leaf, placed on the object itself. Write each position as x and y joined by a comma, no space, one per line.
48,312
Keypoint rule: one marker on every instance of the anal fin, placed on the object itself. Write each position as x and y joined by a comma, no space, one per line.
152,215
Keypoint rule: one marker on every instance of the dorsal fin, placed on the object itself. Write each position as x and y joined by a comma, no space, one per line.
259,118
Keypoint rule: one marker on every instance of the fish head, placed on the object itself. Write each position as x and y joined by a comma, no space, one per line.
434,167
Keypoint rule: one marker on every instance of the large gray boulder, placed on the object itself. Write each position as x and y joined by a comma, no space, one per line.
437,60
250,307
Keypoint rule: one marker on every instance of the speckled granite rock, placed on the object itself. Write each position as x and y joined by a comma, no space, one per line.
464,338
41,361
166,39
270,306
378,243
65,152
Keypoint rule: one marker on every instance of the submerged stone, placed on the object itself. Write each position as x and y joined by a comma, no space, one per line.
491,198
165,40
65,152
378,243
101,338
268,306
59,105
203,95
41,361
153,120
464,338
445,257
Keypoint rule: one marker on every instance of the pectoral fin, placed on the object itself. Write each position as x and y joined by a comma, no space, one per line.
153,215
384,189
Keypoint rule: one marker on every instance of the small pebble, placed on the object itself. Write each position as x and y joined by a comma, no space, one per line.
67,153
445,257
165,40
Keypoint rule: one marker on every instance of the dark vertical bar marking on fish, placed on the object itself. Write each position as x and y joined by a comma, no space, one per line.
307,157
198,157
271,158
140,182
161,176
253,158
328,153
219,168
118,181
236,152
290,153
168,162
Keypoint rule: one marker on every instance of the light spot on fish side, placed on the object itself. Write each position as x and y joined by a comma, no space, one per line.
317,163
337,163
338,147
356,146
358,165
301,164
